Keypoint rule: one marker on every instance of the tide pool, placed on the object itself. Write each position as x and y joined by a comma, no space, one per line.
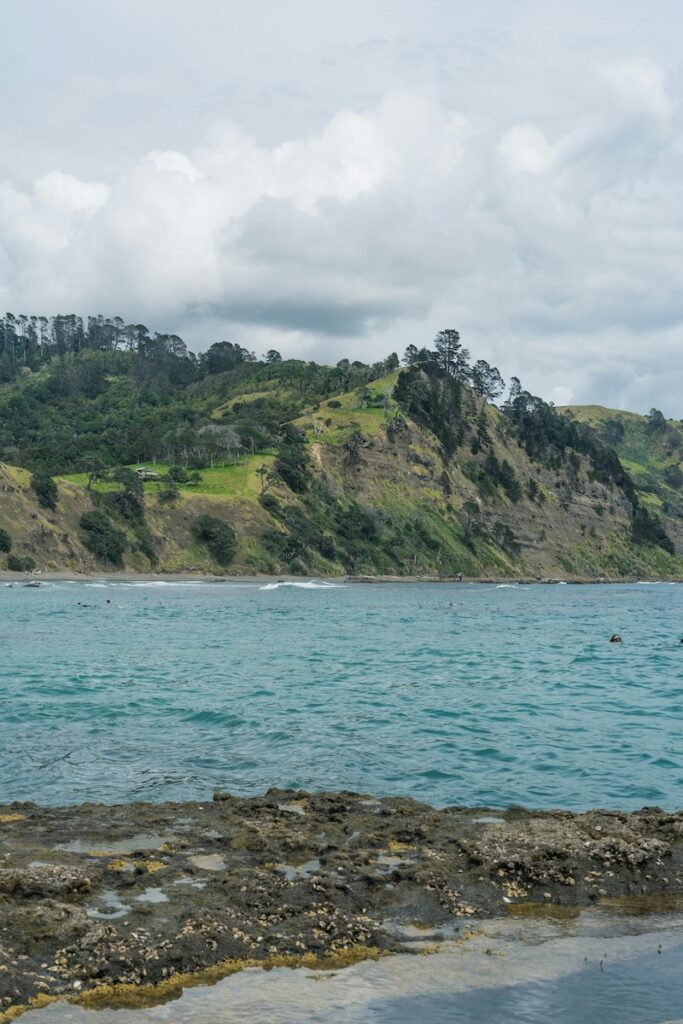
452,694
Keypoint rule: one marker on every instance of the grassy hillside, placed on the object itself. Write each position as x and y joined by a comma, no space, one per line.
393,505
286,466
651,450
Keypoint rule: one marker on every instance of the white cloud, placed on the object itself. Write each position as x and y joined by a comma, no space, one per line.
550,231
526,150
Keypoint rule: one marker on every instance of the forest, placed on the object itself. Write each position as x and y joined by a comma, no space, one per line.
97,396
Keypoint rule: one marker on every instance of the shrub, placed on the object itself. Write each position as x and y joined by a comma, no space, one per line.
334,404
127,504
18,563
297,567
146,543
169,493
101,536
218,536
270,503
647,528
5,541
293,465
46,490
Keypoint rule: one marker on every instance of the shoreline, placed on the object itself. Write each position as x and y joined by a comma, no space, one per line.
102,902
124,576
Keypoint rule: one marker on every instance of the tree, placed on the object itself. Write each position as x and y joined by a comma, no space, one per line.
218,536
129,501
293,463
169,493
647,528
451,356
486,380
101,536
354,443
225,355
5,541
46,490
267,478
96,471
272,356
656,422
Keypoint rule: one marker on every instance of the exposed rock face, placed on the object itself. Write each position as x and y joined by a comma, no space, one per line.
141,893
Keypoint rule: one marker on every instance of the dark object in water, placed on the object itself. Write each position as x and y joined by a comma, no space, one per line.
33,583
616,639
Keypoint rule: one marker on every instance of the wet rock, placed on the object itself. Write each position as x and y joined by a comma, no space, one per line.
44,880
289,874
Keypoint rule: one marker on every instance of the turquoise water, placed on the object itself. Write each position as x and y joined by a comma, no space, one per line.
507,695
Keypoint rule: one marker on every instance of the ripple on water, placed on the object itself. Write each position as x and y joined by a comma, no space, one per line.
517,698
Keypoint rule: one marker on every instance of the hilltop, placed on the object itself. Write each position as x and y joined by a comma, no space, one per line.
650,448
122,450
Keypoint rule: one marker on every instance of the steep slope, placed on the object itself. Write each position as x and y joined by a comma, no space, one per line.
651,450
377,494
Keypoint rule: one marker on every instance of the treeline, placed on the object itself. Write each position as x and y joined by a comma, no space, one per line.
82,395
28,342
437,389
437,386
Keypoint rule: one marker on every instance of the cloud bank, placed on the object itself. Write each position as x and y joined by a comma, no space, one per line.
554,247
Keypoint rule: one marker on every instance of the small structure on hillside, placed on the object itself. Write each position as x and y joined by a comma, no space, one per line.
146,474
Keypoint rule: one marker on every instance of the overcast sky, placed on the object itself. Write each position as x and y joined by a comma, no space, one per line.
345,179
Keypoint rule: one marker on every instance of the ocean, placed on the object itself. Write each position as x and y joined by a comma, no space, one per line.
461,694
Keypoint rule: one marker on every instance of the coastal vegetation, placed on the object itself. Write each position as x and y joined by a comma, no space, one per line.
137,453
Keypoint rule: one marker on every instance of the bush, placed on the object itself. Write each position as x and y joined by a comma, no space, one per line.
334,404
101,536
46,490
218,536
146,544
270,503
127,504
169,493
647,528
5,541
293,465
17,563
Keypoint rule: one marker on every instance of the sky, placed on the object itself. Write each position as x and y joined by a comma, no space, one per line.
344,180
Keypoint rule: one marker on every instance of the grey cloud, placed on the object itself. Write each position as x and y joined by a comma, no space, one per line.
350,182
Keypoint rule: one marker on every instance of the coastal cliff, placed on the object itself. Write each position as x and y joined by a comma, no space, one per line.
155,460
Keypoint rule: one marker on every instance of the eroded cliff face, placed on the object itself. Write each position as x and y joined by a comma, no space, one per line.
444,516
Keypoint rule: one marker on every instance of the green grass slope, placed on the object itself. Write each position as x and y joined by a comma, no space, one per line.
380,496
651,450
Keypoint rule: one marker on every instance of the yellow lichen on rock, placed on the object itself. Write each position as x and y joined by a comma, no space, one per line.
140,996
154,865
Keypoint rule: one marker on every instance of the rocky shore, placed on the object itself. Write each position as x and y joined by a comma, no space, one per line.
126,904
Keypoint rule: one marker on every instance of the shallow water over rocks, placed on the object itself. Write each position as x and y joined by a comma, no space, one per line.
597,967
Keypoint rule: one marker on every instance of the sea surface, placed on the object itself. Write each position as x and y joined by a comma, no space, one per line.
450,693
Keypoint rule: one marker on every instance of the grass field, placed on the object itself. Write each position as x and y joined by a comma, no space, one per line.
337,417
230,480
